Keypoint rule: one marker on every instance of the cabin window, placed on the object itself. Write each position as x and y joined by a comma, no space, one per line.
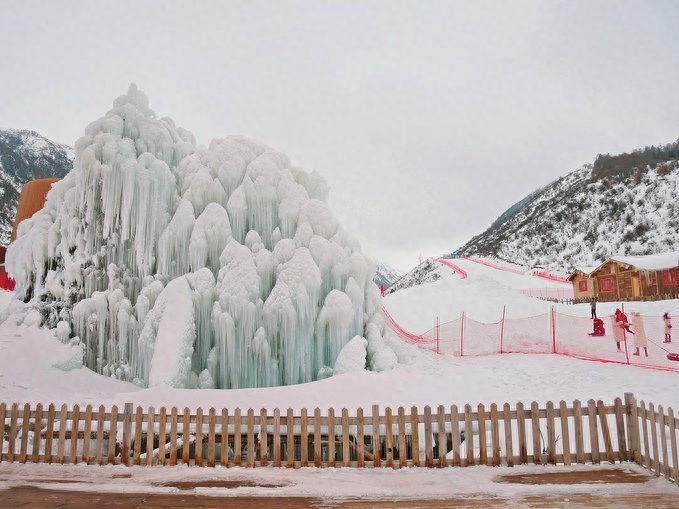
582,285
607,284
669,277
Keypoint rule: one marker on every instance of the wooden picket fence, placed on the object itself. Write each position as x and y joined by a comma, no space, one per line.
555,434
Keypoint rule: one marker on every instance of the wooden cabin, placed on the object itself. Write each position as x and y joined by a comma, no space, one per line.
651,277
584,286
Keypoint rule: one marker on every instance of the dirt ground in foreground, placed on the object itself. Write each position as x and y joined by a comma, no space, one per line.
33,497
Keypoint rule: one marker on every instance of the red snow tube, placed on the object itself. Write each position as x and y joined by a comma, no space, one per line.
673,356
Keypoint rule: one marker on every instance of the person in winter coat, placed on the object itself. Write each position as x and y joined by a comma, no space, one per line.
668,327
640,340
621,320
592,307
618,334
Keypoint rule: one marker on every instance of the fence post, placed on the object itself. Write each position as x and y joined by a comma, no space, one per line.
553,316
632,427
502,327
461,333
624,335
127,431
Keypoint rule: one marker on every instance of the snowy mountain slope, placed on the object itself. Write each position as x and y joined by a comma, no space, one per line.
24,156
426,271
583,218
386,275
434,290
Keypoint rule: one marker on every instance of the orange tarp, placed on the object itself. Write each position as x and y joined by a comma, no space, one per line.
31,200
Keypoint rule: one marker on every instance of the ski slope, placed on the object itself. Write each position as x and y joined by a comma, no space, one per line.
481,295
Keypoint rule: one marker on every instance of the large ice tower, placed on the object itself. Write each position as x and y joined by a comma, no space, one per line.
195,266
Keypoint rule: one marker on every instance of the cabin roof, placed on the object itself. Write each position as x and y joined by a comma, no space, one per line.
585,271
659,261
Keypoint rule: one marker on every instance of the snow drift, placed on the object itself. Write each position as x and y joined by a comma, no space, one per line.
192,266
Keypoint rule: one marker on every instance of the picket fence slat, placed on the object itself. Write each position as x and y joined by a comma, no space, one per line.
415,434
551,434
13,430
37,435
673,444
224,449
317,437
377,453
468,435
25,428
620,428
346,454
654,439
402,456
198,440
509,446
647,455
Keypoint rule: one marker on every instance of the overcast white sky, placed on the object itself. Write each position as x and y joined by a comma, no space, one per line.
428,119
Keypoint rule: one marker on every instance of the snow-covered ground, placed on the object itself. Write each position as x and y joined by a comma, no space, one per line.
36,367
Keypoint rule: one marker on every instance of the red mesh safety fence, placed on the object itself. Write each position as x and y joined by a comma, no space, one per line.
448,263
493,265
548,275
553,332
449,337
480,338
549,293
527,335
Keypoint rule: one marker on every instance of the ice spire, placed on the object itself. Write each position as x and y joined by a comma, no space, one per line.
216,266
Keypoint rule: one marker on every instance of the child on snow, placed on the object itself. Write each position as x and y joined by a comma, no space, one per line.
668,327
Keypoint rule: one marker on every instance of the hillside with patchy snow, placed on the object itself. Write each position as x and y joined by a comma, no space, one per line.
25,156
581,219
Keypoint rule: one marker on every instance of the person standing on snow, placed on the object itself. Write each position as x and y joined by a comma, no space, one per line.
618,334
592,306
640,340
668,327
621,320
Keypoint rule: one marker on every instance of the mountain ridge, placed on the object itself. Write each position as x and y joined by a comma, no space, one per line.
26,155
588,215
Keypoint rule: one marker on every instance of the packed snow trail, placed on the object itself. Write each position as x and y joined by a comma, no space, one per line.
538,274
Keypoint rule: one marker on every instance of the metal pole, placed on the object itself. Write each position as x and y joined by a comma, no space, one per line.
624,335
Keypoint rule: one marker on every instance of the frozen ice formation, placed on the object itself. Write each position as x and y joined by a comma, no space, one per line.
197,267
